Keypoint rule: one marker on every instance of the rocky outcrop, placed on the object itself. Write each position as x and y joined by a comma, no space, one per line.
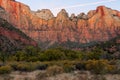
73,18
82,16
45,14
12,39
101,24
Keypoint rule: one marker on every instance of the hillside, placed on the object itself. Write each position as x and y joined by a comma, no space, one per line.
12,39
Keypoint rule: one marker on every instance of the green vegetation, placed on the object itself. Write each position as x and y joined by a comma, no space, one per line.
53,70
58,60
3,57
99,66
5,69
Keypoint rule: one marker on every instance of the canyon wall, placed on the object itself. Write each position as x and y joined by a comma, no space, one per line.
101,24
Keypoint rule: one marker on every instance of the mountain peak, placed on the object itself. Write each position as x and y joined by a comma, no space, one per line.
102,10
62,13
44,14
98,25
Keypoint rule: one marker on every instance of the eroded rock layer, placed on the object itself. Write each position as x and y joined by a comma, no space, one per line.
101,24
12,39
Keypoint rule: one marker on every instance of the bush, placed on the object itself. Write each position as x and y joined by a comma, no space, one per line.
28,66
5,69
111,69
54,70
19,56
51,55
23,67
14,65
68,68
116,67
99,66
41,66
96,66
80,65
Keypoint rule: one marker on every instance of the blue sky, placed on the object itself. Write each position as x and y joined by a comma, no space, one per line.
71,6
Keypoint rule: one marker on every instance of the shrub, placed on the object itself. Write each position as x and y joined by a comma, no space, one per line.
41,66
19,55
97,66
111,68
80,65
5,69
3,57
116,67
14,65
68,68
54,70
51,55
24,67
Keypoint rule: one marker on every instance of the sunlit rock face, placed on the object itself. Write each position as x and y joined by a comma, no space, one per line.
44,14
98,25
12,39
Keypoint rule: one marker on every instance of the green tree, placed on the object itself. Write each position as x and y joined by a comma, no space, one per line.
31,51
3,57
96,53
52,54
20,55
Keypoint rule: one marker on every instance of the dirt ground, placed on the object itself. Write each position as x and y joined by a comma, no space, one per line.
77,75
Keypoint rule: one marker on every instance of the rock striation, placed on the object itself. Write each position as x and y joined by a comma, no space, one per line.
101,24
12,39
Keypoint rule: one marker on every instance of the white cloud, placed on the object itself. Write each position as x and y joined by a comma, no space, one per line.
86,4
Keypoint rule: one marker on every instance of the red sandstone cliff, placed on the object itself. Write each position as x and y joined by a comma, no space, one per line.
12,39
98,25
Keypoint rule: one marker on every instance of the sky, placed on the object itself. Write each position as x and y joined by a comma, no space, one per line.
71,6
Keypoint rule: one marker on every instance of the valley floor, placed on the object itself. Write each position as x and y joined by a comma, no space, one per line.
76,75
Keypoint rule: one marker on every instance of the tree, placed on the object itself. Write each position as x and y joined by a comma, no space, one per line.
96,53
20,55
51,55
31,51
3,57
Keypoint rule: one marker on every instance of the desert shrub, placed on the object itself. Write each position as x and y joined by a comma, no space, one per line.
72,54
80,65
19,56
23,67
54,70
92,55
14,65
39,65
97,66
68,68
28,66
116,67
32,59
96,53
111,69
51,55
31,51
5,69
3,57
